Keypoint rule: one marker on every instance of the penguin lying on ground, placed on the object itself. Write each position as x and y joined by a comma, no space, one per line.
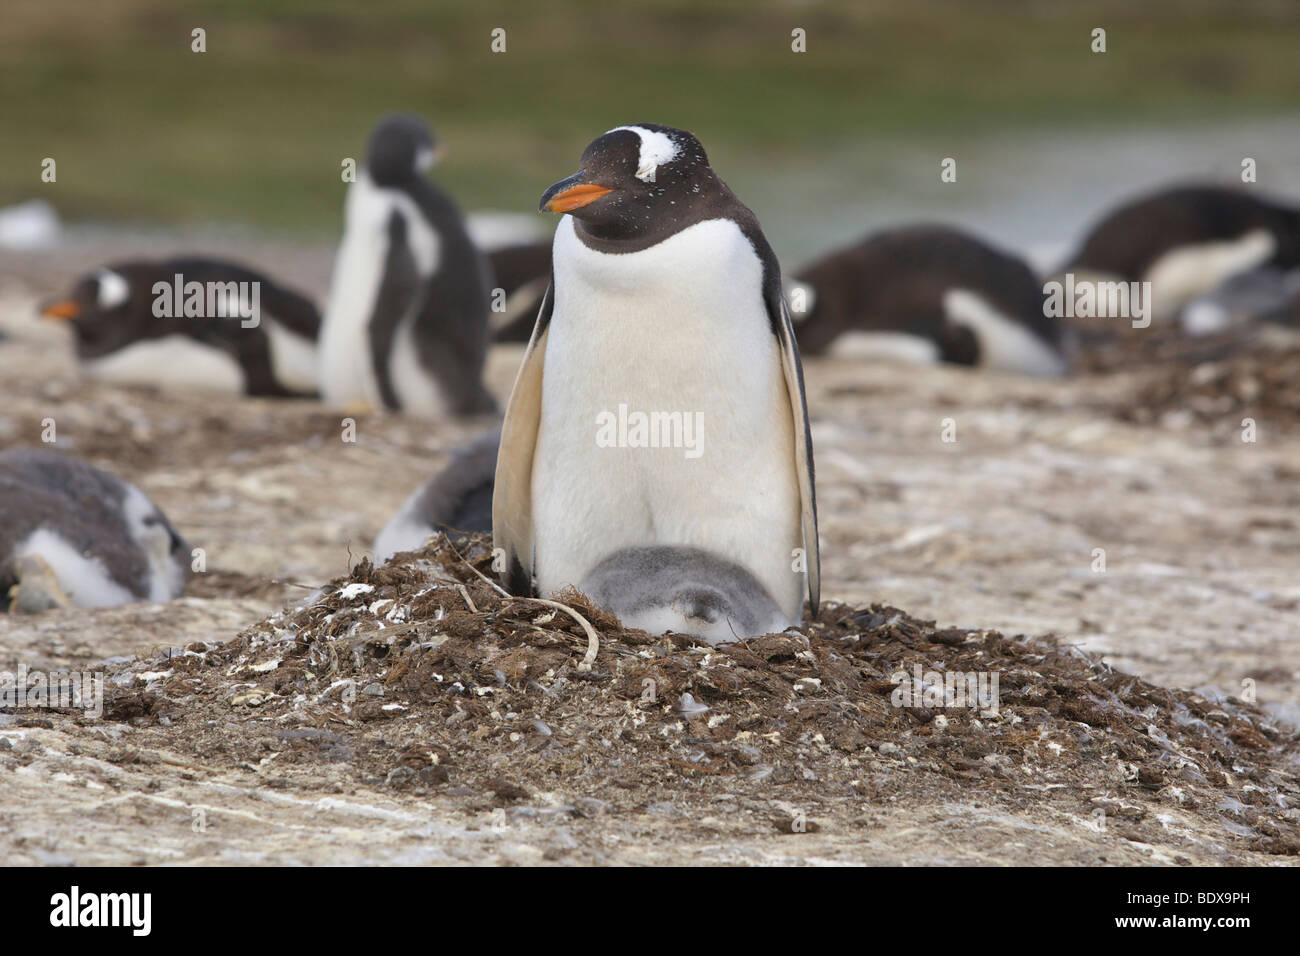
1187,240
407,324
219,326
74,536
458,498
656,451
1261,295
522,272
927,293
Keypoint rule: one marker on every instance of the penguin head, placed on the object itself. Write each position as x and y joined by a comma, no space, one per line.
106,308
402,148
633,179
164,550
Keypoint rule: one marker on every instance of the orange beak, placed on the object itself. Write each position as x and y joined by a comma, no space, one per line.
570,194
61,309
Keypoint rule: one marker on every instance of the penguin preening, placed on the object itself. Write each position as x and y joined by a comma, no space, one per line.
927,294
236,331
665,307
458,498
72,535
406,328
1186,240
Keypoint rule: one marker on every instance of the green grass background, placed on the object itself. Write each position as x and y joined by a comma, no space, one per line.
254,129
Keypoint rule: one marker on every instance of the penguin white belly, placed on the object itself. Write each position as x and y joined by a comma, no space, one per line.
885,347
293,357
83,579
346,374
1186,272
416,390
173,361
347,370
1005,345
680,327
166,577
405,531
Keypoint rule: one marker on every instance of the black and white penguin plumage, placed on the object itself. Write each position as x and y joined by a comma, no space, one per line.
522,272
1186,240
458,498
665,307
927,294
124,335
406,328
74,536
1261,295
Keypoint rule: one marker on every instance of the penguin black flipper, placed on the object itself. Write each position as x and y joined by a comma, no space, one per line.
397,297
512,497
782,326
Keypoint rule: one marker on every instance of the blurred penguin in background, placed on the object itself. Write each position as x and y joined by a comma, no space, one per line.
74,536
406,328
192,322
1187,240
522,272
458,498
1262,295
927,294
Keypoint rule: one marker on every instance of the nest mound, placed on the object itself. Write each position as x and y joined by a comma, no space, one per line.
424,677
1213,379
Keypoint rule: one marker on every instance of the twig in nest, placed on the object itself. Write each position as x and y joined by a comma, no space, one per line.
593,642
487,580
468,600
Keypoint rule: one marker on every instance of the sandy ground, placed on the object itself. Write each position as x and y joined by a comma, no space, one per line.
997,530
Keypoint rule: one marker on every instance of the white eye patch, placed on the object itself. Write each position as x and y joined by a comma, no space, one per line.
113,289
656,149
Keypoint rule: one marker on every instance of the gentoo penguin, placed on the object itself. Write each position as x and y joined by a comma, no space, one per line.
656,449
458,498
193,323
407,323
72,535
1261,295
522,272
1188,239
927,294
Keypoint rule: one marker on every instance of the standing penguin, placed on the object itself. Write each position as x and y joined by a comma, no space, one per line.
122,337
407,323
72,535
1187,239
655,452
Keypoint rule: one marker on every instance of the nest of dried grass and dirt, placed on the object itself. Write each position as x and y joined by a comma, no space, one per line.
422,675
